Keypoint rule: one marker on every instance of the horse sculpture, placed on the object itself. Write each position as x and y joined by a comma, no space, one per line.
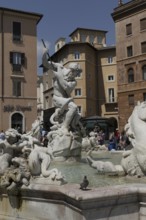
133,161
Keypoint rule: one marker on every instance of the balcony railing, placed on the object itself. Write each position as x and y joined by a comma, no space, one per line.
111,99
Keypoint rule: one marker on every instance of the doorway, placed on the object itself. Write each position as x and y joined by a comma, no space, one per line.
17,122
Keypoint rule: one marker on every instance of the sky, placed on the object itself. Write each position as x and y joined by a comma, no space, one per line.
62,17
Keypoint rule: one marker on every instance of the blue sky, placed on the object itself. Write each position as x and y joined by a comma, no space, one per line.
62,17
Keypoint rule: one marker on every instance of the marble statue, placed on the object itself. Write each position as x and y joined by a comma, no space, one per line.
104,167
65,137
22,157
16,175
133,162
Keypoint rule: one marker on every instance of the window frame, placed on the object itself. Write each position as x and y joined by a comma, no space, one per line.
76,55
99,39
17,35
17,59
129,51
144,72
110,80
17,88
110,59
79,109
91,39
143,24
130,75
144,96
129,29
143,47
78,92
83,38
131,99
111,95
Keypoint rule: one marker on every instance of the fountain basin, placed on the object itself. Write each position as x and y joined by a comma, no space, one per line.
68,202
105,198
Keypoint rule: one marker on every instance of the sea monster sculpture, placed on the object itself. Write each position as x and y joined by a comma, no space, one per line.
133,162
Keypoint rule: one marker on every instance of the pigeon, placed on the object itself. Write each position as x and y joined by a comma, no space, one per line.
84,184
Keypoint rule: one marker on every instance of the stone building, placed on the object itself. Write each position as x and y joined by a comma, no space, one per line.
96,90
130,25
18,68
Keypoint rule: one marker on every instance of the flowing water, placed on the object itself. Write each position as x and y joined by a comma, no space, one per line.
74,172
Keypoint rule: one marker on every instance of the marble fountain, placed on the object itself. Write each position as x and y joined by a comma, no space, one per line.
43,183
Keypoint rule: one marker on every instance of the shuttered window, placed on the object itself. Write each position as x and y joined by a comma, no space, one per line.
17,60
143,24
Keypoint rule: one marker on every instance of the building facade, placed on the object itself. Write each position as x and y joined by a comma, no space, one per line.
96,90
18,68
130,25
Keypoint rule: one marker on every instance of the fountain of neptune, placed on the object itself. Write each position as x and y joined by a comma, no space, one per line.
30,189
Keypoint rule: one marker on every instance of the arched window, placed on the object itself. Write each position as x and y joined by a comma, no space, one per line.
130,75
144,72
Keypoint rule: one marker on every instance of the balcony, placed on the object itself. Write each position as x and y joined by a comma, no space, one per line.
17,39
111,104
110,100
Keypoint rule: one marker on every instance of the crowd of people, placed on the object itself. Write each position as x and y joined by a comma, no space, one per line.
116,140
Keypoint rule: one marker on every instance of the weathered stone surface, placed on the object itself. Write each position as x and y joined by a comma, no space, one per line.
43,201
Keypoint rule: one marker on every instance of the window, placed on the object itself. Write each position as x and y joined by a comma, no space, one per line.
130,75
144,96
77,92
129,51
110,78
144,72
78,74
17,60
110,59
143,47
16,88
99,39
111,95
79,109
131,99
143,24
16,31
77,55
91,39
129,29
83,38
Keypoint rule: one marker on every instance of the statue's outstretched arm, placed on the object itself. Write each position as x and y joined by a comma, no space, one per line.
48,64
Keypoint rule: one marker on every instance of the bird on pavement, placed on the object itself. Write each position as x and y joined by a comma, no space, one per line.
84,184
